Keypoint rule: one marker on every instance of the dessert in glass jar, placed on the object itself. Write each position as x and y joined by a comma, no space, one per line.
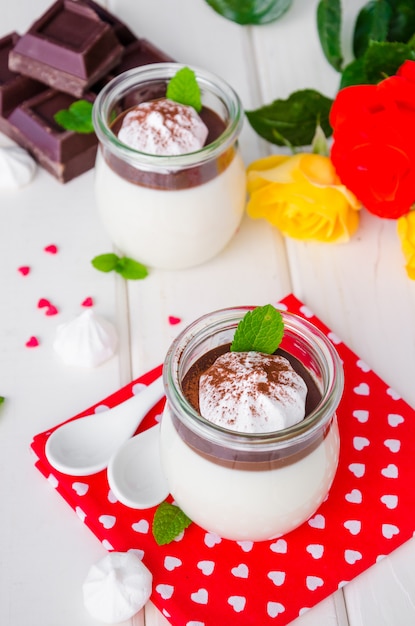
170,183
249,441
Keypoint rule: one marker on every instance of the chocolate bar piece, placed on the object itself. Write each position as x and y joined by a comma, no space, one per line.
121,30
69,48
141,52
13,87
65,154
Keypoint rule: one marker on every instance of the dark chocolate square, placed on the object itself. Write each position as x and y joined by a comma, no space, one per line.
69,48
14,88
63,153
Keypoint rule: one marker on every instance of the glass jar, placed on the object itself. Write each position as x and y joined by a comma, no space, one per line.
245,486
170,212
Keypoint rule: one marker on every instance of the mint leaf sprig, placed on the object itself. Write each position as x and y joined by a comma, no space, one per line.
77,117
260,330
2,399
126,267
184,89
168,522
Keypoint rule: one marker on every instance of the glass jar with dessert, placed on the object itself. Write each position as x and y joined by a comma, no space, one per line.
170,183
250,441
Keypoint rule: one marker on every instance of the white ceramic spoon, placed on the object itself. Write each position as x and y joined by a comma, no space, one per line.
85,446
135,474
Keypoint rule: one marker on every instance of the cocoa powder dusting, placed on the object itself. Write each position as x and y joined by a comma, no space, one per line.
275,373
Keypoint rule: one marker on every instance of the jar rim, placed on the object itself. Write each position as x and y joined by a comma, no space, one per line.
156,73
305,430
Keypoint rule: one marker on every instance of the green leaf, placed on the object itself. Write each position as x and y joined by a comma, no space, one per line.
402,22
2,399
372,24
354,74
260,329
168,522
293,121
78,117
254,12
384,59
127,268
329,31
105,262
130,269
183,88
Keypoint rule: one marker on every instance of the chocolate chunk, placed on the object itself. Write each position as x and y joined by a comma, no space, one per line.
69,48
13,87
141,52
65,154
121,30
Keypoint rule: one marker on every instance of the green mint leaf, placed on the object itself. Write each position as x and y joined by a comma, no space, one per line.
127,268
130,269
383,59
372,24
2,399
402,21
105,262
168,522
293,121
261,330
329,16
78,117
254,12
183,88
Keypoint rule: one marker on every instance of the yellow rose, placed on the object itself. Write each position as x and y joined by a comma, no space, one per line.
406,232
303,197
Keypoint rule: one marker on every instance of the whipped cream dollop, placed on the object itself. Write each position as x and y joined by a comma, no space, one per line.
17,167
86,341
117,587
252,392
163,127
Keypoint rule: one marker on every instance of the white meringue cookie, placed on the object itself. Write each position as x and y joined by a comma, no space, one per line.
17,167
86,341
117,587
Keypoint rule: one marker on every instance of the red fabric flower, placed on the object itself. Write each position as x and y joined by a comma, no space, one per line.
374,142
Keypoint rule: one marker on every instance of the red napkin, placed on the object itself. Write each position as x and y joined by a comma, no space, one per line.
202,580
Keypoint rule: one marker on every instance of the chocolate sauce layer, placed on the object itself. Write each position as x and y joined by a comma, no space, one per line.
190,383
249,459
184,178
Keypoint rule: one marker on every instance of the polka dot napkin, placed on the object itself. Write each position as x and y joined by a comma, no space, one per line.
203,580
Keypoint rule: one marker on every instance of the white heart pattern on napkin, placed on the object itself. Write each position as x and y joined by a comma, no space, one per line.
237,603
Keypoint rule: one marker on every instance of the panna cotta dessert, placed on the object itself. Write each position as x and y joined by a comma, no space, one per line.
170,183
250,441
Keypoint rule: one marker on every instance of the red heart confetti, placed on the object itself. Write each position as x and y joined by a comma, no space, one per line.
33,342
88,302
24,270
43,302
51,310
174,320
52,249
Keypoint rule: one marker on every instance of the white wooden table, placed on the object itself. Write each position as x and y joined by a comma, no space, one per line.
360,290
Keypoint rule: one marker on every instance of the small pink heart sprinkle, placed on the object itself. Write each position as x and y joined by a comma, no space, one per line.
51,310
174,320
32,343
42,303
52,249
88,302
24,270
